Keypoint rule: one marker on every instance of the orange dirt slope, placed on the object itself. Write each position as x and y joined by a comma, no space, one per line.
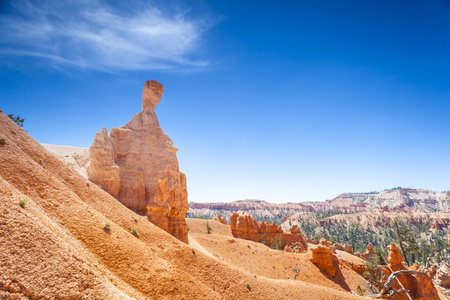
56,247
260,260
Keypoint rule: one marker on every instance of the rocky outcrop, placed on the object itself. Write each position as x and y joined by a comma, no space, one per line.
322,256
394,256
419,286
324,242
137,164
443,275
296,247
369,252
337,246
245,227
221,220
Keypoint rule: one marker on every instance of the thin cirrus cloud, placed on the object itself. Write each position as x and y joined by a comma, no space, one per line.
95,35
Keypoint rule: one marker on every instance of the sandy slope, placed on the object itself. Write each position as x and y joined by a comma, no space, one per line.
260,260
75,157
56,247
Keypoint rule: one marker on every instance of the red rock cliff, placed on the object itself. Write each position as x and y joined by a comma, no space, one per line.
137,164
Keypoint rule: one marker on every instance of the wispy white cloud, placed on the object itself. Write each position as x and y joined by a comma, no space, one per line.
97,35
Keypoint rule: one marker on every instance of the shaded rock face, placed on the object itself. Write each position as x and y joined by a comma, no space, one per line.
323,258
443,275
369,252
137,164
245,227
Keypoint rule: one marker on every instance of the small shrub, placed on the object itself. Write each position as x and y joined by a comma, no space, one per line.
247,285
62,180
276,243
135,219
193,251
99,185
107,226
360,291
208,228
23,202
134,232
296,271
16,119
41,160
2,141
88,184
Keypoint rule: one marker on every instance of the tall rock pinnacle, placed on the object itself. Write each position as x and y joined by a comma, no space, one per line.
151,95
137,164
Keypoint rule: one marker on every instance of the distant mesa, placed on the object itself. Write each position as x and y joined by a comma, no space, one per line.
137,164
398,200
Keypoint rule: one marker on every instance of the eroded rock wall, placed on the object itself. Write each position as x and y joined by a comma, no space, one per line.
245,227
137,164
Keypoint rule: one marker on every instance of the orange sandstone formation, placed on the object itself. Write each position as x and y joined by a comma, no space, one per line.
323,258
324,242
137,164
221,220
394,256
369,252
296,247
419,286
245,227
338,246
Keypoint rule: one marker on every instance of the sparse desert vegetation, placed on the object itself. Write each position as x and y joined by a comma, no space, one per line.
135,232
23,202
107,227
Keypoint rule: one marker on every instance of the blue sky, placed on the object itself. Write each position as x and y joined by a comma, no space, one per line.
282,101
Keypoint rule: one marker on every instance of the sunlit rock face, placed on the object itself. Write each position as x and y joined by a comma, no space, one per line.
394,257
245,227
322,256
137,164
